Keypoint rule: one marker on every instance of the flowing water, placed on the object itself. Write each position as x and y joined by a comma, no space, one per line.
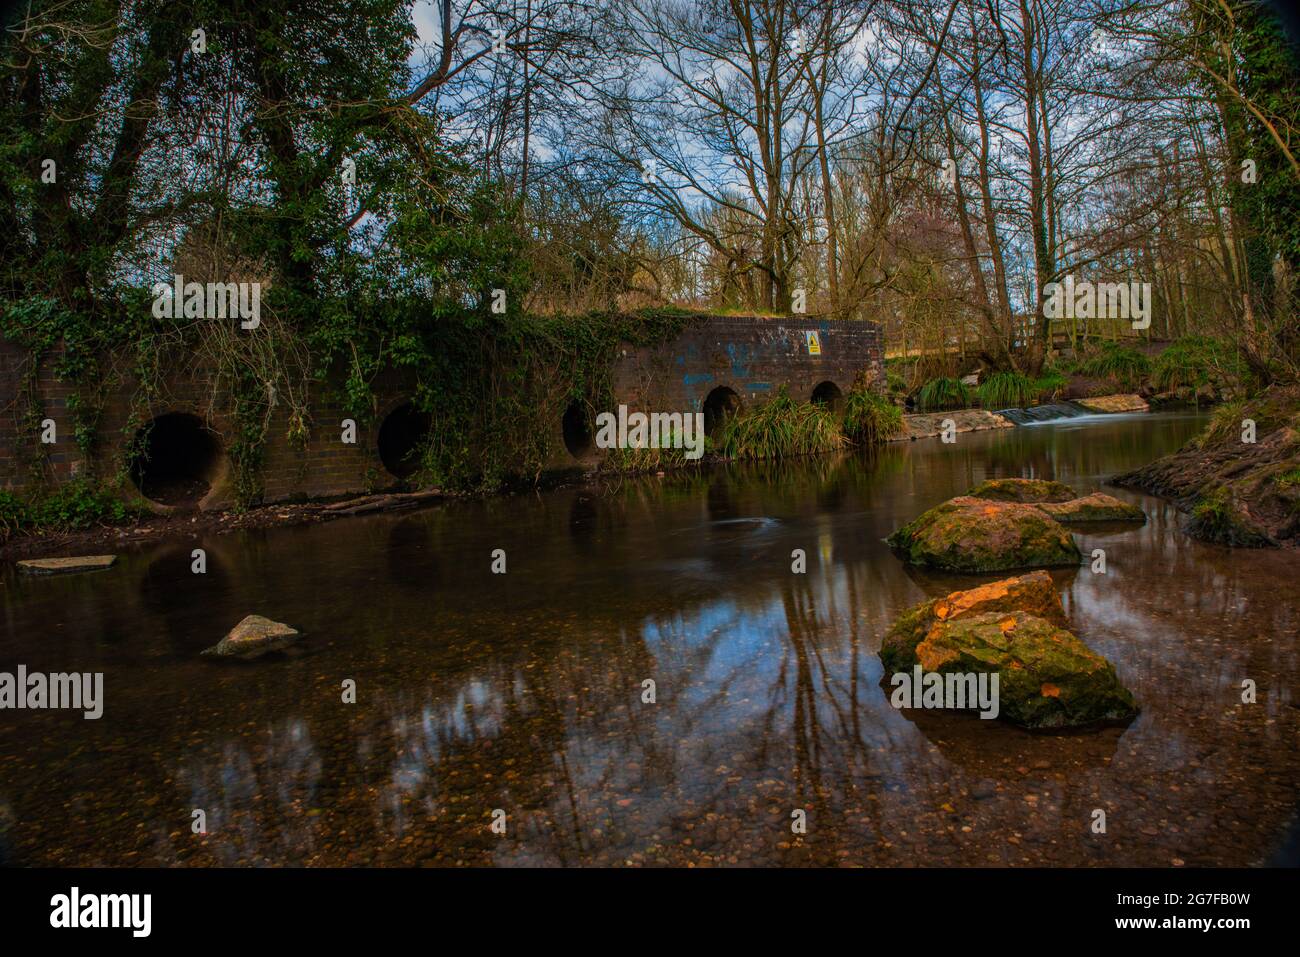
524,692
1045,413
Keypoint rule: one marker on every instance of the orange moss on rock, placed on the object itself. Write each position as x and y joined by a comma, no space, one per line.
1015,628
1047,678
1033,593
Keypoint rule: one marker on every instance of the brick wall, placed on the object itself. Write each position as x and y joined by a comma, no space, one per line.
753,357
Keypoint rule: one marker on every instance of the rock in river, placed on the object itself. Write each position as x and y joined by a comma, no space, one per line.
1016,628
1097,507
1048,678
253,637
1022,490
63,566
1033,593
968,534
1058,500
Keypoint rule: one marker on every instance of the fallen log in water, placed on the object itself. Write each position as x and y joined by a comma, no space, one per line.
382,503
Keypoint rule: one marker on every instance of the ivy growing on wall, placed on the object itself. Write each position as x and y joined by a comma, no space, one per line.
397,268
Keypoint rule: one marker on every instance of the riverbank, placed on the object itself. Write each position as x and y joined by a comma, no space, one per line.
180,525
1239,479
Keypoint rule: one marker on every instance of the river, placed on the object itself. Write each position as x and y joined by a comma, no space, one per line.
525,692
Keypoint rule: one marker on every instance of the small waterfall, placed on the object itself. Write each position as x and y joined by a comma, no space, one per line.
1044,413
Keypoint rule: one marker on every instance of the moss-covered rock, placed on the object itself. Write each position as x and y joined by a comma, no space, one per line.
1033,593
1058,500
976,535
1016,628
1097,507
1022,490
1047,678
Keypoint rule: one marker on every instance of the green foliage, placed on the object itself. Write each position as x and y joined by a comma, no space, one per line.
870,418
495,395
898,373
781,428
1225,423
1269,410
246,449
1122,364
943,393
1053,377
1195,361
76,505
76,343
13,514
1289,479
1006,390
1260,61
1049,384
631,461
1215,519
409,286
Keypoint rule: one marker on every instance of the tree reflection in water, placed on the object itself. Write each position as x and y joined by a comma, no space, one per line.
524,691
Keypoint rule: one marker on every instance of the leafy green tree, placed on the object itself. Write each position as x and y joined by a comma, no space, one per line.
1250,66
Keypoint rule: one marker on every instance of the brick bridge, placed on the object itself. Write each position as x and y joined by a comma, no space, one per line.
718,364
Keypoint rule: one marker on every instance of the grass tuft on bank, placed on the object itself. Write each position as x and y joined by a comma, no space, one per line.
634,461
870,418
942,394
1217,518
1006,390
780,429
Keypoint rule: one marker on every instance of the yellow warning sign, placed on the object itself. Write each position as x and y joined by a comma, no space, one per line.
814,343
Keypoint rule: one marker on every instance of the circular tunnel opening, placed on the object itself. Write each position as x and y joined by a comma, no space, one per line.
402,437
176,458
577,431
720,404
829,394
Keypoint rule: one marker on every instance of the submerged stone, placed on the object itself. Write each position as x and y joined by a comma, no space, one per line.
254,637
62,566
968,534
1097,507
1022,490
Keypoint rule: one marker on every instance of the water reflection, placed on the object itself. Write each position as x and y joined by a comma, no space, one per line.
526,691
412,559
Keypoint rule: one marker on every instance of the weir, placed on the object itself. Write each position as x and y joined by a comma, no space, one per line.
1044,413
